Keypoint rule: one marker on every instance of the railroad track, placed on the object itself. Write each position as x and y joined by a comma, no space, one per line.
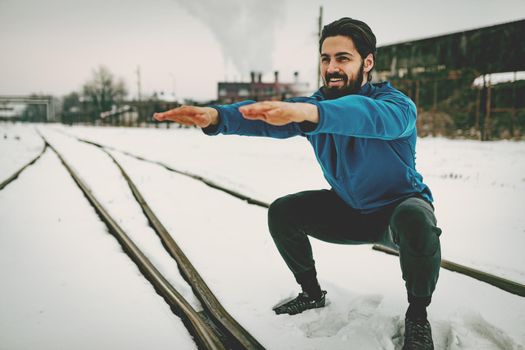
197,177
496,281
213,328
15,175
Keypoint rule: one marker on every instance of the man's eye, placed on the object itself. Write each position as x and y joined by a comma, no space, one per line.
343,59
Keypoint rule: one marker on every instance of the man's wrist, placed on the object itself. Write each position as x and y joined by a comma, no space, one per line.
214,114
310,113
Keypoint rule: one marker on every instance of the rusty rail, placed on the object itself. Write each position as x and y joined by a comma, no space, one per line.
204,334
237,336
496,281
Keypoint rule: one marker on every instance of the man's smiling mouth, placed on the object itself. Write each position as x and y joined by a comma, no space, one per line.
336,82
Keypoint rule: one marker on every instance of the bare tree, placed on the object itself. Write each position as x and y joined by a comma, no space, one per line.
103,91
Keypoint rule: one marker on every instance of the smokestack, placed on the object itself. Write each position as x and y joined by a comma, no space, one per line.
252,76
296,77
276,75
259,77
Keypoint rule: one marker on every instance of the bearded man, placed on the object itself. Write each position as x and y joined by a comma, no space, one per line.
364,138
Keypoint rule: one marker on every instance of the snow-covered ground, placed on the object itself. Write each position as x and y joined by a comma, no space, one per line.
88,288
18,146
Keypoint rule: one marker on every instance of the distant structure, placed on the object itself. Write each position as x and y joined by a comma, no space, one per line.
256,89
494,49
8,111
438,73
9,108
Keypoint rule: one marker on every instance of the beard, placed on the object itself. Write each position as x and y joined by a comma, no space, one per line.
350,87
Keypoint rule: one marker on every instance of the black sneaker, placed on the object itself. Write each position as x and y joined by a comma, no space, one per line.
301,303
418,335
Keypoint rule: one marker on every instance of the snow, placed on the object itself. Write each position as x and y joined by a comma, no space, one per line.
66,283
498,78
18,146
478,188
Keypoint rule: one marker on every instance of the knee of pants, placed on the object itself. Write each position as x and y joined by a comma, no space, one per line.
414,228
280,215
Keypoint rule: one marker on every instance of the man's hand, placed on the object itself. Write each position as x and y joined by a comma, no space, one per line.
190,115
280,113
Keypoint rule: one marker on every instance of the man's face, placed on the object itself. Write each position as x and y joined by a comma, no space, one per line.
342,67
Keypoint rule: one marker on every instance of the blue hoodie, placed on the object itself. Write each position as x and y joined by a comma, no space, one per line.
364,142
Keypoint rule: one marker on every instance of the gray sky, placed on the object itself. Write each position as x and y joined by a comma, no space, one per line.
187,46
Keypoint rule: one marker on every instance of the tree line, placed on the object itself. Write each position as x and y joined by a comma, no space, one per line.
102,99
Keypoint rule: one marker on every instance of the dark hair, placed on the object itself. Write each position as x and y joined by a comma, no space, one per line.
360,33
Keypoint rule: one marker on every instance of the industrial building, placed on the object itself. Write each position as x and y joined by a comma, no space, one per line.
256,89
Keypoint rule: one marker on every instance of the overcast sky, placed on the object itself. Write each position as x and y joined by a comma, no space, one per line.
187,46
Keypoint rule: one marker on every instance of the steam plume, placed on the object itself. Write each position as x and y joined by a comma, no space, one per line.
245,29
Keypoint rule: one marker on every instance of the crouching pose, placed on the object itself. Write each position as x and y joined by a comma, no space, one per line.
364,138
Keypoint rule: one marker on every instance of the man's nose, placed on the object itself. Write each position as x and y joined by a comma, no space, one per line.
333,67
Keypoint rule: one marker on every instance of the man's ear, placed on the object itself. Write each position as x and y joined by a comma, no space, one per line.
368,64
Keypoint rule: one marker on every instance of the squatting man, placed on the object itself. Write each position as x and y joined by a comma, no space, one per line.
364,137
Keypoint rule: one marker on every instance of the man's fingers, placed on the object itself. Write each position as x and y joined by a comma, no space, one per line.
257,108
164,116
158,116
174,118
183,120
187,115
197,119
276,112
176,112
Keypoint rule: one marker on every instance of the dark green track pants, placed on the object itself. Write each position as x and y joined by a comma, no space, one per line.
411,224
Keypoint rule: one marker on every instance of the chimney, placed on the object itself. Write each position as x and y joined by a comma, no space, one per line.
259,77
252,75
296,77
276,75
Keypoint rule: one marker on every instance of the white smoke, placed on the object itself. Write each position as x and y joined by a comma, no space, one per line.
245,29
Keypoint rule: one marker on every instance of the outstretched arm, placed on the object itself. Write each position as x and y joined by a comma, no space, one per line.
390,117
387,117
271,119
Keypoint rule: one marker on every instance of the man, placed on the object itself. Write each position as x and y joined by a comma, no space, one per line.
364,137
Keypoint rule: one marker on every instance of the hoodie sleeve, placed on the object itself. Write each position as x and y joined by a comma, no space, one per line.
388,116
231,122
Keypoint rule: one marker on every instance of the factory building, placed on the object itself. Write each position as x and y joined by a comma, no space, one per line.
256,89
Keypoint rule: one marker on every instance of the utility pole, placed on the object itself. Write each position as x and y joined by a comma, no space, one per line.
139,89
320,28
